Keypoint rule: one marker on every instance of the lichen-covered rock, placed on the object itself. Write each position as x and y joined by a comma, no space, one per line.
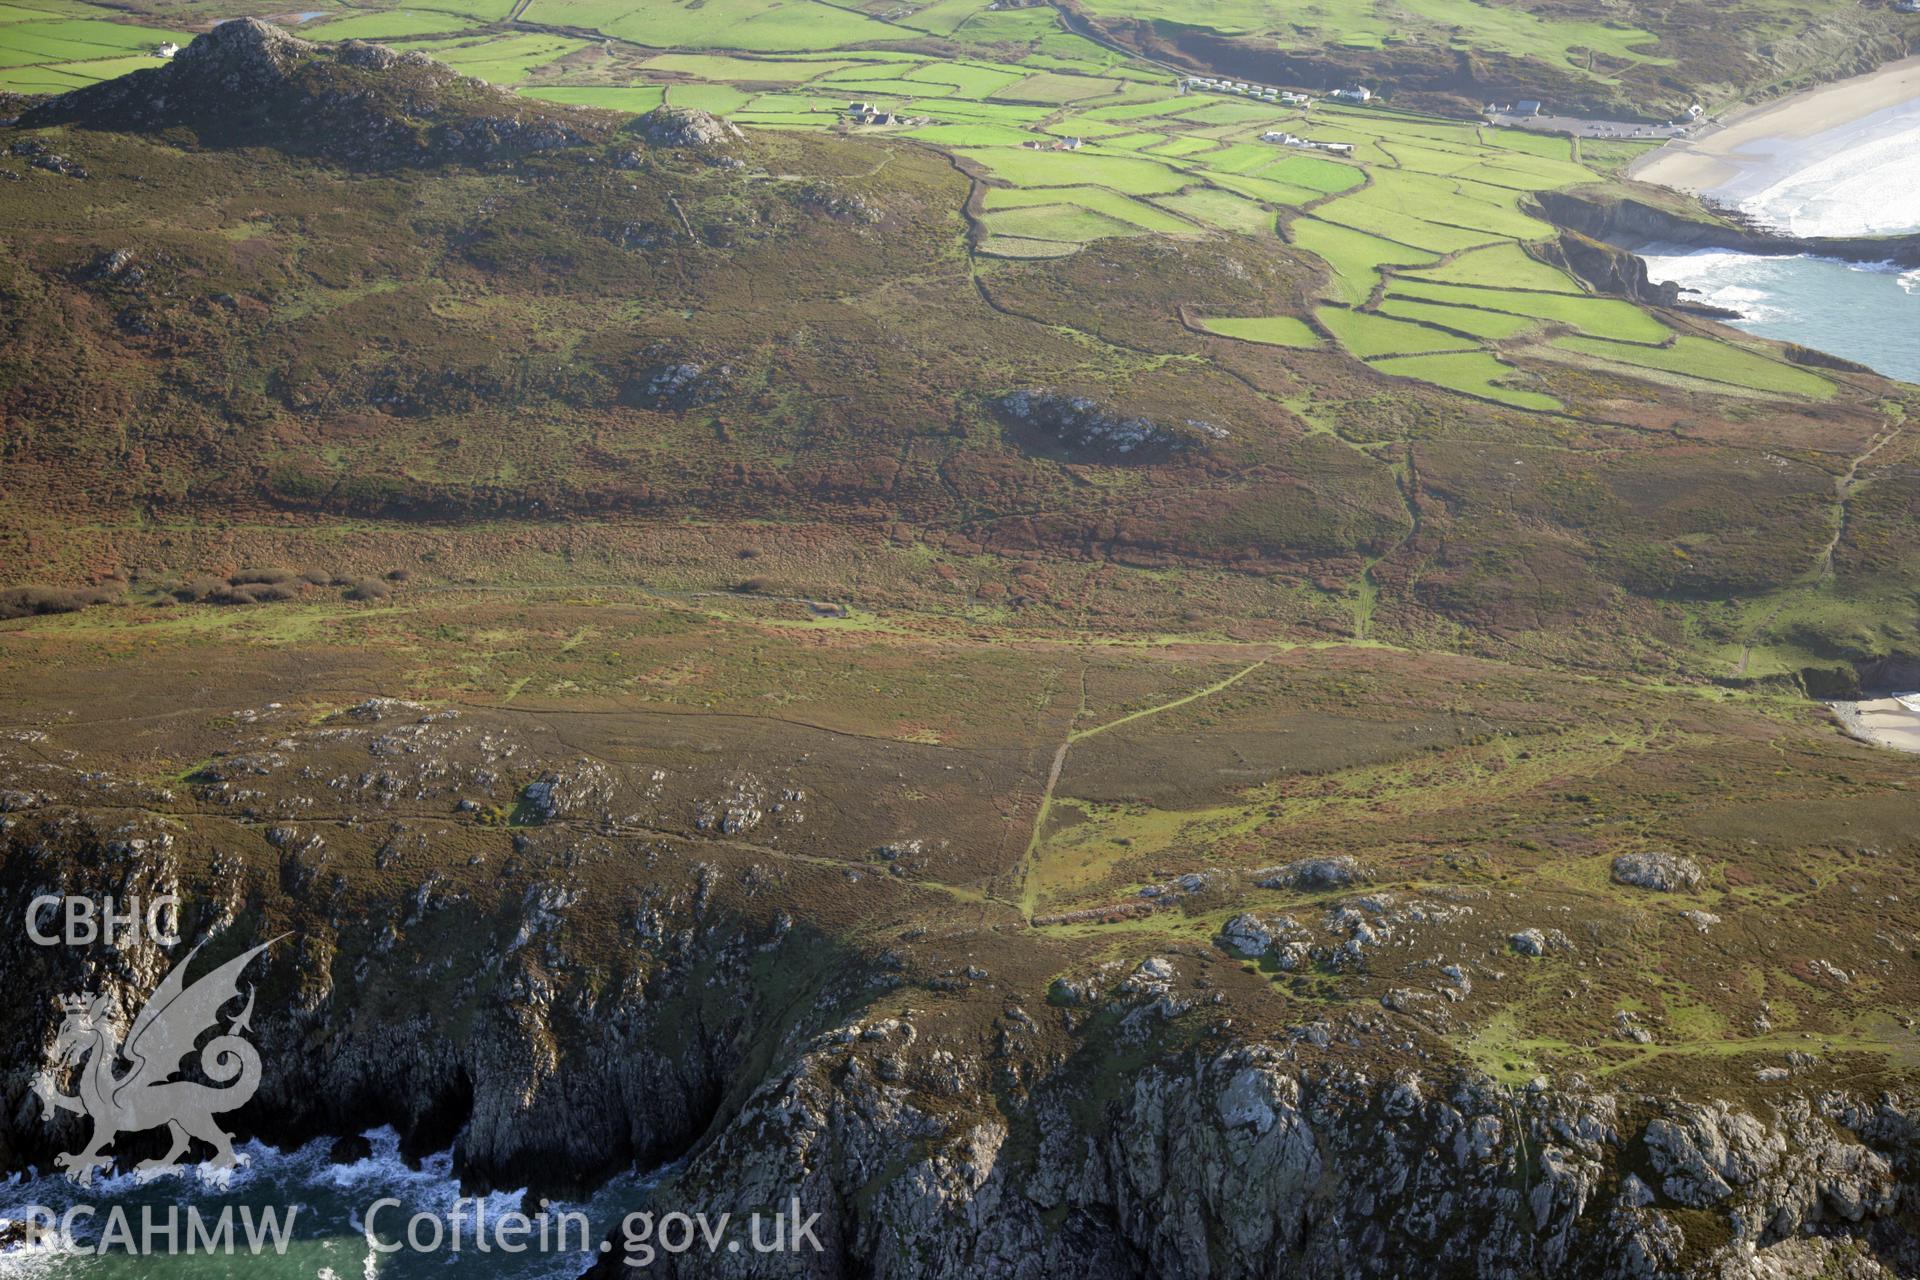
1083,426
685,127
676,385
1529,942
583,789
242,55
1539,942
1662,872
1312,875
1251,935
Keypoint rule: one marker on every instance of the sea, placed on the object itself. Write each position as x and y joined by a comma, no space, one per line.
327,1205
1861,179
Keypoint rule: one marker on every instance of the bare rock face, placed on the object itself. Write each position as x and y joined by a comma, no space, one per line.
1245,1164
1661,872
245,55
685,127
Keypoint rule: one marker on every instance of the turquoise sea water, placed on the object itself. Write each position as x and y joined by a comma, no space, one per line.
1861,178
1868,313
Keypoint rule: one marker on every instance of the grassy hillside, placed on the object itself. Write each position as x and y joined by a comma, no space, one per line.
1017,553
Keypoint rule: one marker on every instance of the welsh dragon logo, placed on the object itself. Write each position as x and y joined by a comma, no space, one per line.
146,1096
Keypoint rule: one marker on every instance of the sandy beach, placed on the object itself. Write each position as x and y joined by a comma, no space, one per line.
1887,722
1754,138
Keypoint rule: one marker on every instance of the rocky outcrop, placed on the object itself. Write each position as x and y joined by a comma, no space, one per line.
1084,429
685,127
247,82
1656,870
1312,875
1159,1143
542,1082
1630,222
676,385
1610,270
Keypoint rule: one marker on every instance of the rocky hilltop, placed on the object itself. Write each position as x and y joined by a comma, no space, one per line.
247,82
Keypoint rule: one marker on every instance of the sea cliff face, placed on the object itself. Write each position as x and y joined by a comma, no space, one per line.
1238,1159
1629,221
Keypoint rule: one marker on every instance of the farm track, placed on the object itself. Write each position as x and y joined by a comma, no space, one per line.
1845,487
1074,736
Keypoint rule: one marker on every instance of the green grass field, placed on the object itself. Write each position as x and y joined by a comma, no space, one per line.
632,99
1053,87
1452,202
1491,325
1439,200
1368,335
389,24
1099,200
52,46
1704,358
1275,193
1354,256
1057,222
1273,331
503,59
1401,228
1128,174
711,66
1473,372
1328,177
1600,317
750,25
971,135
1220,209
1504,266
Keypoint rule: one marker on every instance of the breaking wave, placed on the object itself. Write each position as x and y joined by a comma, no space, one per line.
328,1197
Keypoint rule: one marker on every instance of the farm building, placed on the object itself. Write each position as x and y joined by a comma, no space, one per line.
1358,93
1295,140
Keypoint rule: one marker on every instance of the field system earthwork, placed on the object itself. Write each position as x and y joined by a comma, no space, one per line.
1422,229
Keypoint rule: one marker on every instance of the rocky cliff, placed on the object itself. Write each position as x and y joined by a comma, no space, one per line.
1630,222
603,983
1235,1158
